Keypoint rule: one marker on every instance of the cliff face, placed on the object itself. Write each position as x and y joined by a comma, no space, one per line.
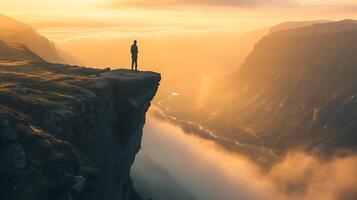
70,132
298,87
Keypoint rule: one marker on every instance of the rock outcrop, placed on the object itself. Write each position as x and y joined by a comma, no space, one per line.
69,132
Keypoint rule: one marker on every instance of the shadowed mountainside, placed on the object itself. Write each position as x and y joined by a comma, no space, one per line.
17,32
247,42
68,132
297,90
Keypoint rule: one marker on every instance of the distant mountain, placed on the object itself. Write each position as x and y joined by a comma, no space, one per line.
294,25
297,90
16,32
237,49
10,52
245,44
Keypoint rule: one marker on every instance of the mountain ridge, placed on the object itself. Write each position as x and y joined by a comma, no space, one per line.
14,31
295,91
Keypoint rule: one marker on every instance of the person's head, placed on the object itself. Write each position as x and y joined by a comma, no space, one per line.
135,41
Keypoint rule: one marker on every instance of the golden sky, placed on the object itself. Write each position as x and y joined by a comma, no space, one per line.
65,20
55,5
73,8
242,15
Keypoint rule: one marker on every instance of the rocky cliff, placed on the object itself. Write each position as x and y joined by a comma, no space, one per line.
69,132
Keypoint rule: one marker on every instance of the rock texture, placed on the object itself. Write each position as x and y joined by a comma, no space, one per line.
69,132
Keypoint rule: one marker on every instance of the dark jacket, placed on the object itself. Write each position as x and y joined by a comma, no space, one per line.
134,50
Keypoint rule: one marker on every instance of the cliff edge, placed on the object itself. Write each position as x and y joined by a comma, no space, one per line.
68,132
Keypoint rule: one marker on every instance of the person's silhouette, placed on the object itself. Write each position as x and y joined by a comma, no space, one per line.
134,56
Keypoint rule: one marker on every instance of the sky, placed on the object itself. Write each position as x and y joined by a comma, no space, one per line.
79,5
225,15
177,11
164,16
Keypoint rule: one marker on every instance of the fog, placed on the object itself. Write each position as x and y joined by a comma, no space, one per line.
175,165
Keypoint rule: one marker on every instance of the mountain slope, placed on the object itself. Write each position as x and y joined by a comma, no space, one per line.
297,89
17,32
294,25
246,43
10,52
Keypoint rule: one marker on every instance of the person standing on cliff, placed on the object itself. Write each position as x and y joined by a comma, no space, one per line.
134,56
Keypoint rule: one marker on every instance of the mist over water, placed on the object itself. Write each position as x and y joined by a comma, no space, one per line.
178,166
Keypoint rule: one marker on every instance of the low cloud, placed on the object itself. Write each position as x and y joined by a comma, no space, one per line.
203,170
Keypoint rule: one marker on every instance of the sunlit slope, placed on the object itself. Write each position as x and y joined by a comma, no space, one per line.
297,89
294,25
17,32
11,52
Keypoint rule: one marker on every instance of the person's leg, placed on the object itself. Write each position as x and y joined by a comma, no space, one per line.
132,64
136,64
